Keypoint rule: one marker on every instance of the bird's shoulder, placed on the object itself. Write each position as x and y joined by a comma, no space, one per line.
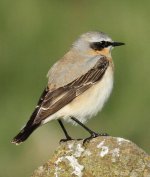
71,67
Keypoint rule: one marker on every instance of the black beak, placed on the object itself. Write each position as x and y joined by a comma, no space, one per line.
114,44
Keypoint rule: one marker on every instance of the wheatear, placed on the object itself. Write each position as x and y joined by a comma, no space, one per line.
78,85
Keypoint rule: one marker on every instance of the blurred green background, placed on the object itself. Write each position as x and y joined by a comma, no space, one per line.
33,35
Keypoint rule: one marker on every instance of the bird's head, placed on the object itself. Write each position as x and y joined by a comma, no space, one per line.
95,43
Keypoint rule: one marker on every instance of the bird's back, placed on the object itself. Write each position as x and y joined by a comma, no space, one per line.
69,68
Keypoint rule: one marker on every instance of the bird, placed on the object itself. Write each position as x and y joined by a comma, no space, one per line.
78,86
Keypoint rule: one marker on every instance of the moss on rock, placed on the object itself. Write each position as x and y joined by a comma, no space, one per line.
101,157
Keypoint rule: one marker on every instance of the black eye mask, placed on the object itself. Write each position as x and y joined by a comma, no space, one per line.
100,45
103,44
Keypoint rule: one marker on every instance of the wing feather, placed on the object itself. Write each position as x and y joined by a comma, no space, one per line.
52,101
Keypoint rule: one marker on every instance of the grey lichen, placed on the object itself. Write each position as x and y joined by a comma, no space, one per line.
101,157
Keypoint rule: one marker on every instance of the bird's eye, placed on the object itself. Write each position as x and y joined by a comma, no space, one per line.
100,45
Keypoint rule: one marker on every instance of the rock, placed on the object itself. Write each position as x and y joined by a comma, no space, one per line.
101,157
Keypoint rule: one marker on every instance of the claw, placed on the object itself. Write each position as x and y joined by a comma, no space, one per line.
65,140
94,135
69,139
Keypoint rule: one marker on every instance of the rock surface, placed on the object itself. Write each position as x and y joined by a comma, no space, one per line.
101,157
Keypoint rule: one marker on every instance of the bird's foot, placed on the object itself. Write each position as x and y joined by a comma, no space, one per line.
69,139
94,135
66,139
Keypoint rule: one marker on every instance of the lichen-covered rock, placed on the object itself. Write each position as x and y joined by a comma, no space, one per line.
101,157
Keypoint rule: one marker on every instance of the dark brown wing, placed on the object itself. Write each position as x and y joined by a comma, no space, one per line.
52,101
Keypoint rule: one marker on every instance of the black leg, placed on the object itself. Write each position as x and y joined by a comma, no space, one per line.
93,134
65,132
82,125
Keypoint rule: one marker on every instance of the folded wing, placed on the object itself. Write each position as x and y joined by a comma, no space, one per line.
52,101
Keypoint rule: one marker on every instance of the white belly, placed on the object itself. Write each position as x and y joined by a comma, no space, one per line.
89,103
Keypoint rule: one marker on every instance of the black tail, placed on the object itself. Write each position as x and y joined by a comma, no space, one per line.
31,125
24,134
